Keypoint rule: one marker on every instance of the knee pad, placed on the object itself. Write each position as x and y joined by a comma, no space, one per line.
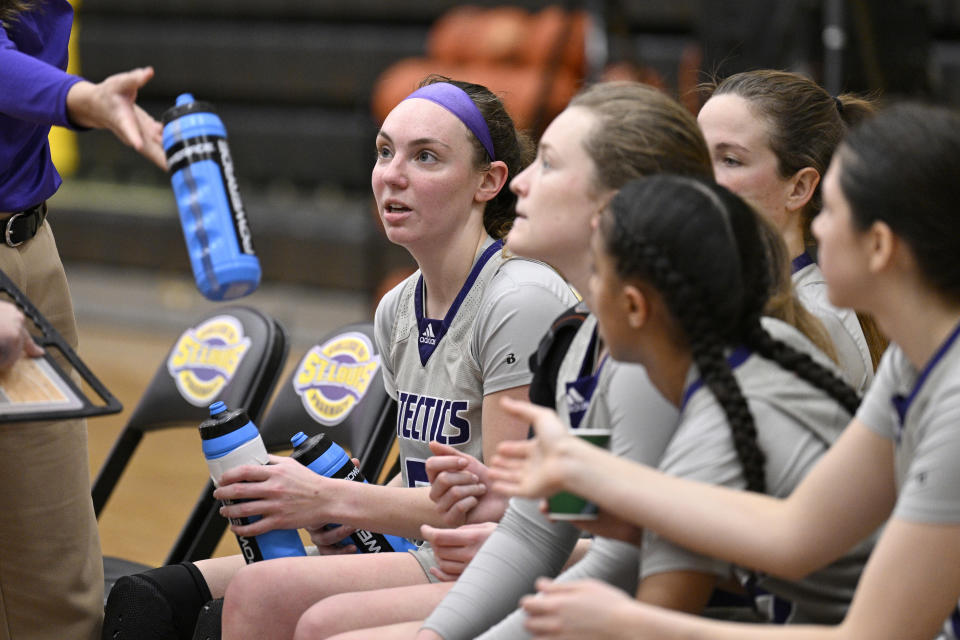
160,604
209,622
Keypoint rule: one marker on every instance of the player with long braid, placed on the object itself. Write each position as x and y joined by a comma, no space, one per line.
680,284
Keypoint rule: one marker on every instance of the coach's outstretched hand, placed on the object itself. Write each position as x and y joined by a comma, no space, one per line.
112,105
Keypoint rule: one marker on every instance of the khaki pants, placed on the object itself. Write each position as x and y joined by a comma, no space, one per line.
51,569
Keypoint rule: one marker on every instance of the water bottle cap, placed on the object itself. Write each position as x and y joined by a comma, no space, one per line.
309,449
186,105
223,423
298,438
217,407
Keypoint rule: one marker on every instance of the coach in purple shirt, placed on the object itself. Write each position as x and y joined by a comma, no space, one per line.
51,571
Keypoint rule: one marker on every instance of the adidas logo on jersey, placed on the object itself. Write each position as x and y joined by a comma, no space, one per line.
575,401
428,337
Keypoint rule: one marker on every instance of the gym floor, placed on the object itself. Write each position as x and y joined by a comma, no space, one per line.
128,322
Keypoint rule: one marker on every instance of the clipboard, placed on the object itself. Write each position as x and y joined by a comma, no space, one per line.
38,388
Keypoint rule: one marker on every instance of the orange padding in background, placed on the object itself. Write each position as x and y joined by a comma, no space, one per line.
513,52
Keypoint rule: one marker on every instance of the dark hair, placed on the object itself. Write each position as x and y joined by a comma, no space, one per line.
10,10
700,246
806,124
901,168
511,146
640,131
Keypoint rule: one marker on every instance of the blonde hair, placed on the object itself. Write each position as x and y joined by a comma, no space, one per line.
783,303
640,131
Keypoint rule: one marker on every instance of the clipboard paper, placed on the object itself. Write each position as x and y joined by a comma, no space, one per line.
38,388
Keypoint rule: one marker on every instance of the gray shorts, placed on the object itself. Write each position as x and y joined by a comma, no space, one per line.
425,556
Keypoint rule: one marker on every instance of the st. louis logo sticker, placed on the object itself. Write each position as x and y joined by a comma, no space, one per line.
206,357
333,377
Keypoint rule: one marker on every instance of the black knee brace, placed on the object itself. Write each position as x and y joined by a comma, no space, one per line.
159,604
209,622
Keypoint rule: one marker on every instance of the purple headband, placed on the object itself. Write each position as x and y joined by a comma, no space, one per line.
456,101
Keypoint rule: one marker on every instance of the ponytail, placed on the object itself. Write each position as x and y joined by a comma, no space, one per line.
855,108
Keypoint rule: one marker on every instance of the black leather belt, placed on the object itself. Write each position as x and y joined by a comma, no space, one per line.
19,227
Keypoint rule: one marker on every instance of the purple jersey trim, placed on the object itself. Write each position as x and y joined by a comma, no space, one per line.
431,331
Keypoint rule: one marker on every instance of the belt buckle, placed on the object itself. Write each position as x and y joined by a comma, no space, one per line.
8,229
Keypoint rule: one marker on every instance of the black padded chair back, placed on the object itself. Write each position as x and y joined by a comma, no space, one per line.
337,389
234,354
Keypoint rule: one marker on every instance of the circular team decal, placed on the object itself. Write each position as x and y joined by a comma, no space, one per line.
333,377
205,358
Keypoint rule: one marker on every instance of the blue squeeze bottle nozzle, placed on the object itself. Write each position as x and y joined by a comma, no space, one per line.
214,222
324,456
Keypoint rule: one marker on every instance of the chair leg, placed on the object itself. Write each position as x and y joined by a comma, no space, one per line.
113,467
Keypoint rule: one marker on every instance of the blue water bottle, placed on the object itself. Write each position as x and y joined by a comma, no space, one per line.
326,457
230,439
214,223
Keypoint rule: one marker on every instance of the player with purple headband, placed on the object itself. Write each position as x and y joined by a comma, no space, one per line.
454,339
456,101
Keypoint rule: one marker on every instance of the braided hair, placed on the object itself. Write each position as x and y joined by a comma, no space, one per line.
700,246
760,286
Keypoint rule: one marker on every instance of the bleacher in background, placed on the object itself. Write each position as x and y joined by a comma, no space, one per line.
292,81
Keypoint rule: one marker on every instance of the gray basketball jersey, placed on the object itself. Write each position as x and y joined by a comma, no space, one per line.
920,412
796,423
439,371
526,545
625,400
843,326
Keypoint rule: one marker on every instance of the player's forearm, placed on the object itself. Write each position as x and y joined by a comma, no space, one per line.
847,494
386,509
738,526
